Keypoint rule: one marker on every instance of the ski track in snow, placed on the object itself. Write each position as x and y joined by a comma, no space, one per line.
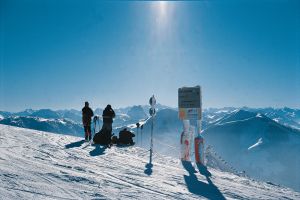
40,165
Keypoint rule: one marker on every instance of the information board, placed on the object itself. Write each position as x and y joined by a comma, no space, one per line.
189,97
189,103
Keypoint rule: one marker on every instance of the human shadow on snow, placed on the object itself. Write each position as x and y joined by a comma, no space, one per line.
74,144
207,190
99,150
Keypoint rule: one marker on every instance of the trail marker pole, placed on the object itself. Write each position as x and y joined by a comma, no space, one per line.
152,111
142,135
137,131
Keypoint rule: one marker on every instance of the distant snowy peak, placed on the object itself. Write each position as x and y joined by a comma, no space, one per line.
286,116
137,112
24,113
5,114
45,113
62,126
238,115
123,117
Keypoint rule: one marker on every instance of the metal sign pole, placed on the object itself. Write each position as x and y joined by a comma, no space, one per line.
151,141
137,132
152,111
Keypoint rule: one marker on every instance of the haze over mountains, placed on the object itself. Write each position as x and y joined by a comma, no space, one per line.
262,143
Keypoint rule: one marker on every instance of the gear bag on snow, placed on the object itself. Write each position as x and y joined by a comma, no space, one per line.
125,137
103,137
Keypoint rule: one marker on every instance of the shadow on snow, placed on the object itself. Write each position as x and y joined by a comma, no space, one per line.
207,190
74,144
99,150
148,169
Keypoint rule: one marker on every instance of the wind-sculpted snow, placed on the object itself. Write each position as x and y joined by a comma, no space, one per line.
40,165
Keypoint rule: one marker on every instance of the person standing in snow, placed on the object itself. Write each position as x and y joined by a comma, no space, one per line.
108,115
87,114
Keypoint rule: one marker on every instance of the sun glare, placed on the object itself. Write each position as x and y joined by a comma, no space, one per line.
162,6
162,11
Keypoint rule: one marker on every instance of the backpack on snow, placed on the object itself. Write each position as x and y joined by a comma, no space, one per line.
103,137
125,137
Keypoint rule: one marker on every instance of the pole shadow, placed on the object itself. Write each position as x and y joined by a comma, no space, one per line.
207,190
148,169
149,166
74,144
203,170
99,150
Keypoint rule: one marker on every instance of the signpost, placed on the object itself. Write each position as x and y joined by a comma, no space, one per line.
189,103
152,111
190,108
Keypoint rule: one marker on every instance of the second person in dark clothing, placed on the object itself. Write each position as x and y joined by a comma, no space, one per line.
108,115
125,137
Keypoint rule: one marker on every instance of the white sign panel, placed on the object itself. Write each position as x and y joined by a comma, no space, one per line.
189,103
189,97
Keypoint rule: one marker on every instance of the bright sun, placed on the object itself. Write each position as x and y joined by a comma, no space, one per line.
162,7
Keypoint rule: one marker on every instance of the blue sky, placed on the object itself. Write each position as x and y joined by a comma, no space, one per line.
58,54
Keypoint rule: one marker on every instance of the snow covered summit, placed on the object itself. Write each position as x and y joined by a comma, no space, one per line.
41,165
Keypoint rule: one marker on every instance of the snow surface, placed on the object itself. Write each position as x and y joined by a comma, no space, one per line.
41,165
259,142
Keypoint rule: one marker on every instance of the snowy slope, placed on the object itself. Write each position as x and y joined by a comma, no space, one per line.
40,165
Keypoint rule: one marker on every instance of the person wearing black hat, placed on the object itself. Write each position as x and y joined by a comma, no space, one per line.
108,115
87,114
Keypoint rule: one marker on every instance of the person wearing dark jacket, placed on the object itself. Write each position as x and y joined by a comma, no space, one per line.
87,114
108,115
125,137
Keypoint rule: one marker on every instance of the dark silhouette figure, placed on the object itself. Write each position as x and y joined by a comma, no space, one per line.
108,115
125,137
207,190
87,115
